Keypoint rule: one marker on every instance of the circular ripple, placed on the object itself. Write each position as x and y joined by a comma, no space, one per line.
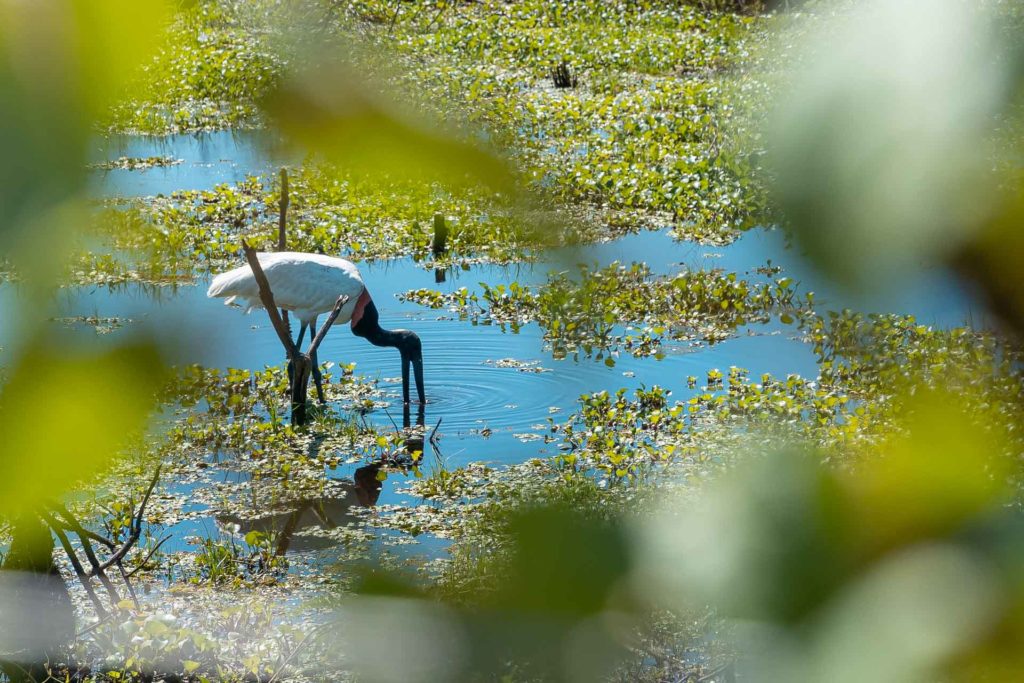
464,385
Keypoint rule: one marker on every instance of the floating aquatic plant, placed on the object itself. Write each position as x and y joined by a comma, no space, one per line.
586,314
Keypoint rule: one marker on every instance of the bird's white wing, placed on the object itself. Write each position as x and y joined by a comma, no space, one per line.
308,284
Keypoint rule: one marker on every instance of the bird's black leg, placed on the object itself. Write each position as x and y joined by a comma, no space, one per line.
291,365
318,379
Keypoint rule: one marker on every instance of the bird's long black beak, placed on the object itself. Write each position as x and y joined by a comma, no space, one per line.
417,369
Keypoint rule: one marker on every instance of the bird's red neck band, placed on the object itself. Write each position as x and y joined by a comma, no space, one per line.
361,302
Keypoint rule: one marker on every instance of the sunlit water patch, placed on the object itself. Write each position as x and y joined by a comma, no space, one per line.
485,385
206,160
490,392
935,296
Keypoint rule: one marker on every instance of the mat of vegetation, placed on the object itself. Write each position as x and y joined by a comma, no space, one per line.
646,133
586,314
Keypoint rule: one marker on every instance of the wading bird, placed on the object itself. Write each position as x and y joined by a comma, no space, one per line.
310,284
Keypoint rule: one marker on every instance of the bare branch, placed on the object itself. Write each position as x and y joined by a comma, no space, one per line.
267,298
75,562
148,556
65,514
342,300
282,237
135,530
96,570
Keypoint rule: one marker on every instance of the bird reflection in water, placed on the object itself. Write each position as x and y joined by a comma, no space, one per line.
327,512
336,507
413,436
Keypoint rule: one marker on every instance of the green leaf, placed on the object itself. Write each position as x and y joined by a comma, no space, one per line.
65,412
254,538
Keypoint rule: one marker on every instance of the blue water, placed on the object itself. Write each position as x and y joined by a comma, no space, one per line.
483,410
208,159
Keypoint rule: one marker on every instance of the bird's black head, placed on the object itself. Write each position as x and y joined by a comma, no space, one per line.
406,341
408,344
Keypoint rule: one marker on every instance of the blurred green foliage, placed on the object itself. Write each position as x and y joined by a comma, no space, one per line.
65,411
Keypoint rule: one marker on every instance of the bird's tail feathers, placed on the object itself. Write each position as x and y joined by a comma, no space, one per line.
226,284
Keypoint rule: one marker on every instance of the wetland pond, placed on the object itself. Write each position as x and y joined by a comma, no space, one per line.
492,390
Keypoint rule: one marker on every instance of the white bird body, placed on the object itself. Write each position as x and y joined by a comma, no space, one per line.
306,284
310,284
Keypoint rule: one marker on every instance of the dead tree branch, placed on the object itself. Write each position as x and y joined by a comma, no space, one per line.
145,560
61,520
135,530
267,299
76,564
90,555
302,363
282,237
342,300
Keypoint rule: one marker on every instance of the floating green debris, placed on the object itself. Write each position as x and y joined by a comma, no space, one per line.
195,232
136,163
100,324
645,140
214,67
531,366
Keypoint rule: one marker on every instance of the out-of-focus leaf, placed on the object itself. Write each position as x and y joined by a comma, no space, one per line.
112,39
904,620
330,110
432,641
562,610
62,64
879,142
939,476
33,612
563,563
828,566
63,413
994,257
763,543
